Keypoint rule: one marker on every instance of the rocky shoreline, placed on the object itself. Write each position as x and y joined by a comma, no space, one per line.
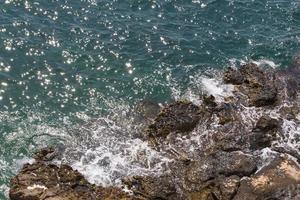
227,164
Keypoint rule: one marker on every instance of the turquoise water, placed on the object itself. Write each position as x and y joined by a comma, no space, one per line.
64,62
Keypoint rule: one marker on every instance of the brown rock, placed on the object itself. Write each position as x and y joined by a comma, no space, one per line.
278,180
45,154
232,76
178,117
41,181
217,174
253,82
264,133
152,187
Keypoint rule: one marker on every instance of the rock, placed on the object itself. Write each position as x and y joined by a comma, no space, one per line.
212,176
261,136
178,117
253,82
278,180
227,188
217,176
258,86
288,80
264,133
296,63
263,96
147,110
45,154
223,188
49,153
232,76
266,123
149,187
221,163
209,102
41,181
227,113
252,74
113,193
290,112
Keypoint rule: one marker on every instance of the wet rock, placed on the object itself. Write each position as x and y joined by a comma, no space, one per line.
296,62
45,154
266,123
258,86
211,177
215,175
41,181
227,113
49,153
292,86
263,96
147,110
222,188
264,133
178,117
278,180
288,80
253,82
227,187
222,163
160,188
209,102
233,76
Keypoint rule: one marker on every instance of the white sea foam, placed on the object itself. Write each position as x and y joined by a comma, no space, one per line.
20,162
4,189
215,87
106,149
267,156
36,186
263,62
108,166
290,137
260,62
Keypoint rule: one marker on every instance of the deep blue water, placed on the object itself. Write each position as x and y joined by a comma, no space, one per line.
62,62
